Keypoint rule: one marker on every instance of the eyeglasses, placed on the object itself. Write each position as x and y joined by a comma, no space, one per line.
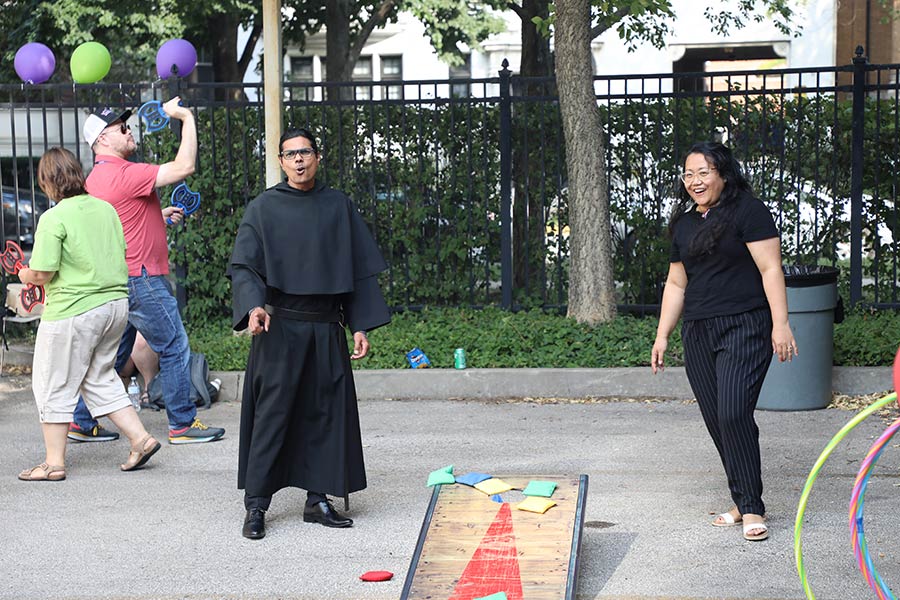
700,175
303,153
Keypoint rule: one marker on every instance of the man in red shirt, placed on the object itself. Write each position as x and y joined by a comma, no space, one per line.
131,189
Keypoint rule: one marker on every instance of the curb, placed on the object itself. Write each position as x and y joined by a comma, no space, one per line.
632,382
450,384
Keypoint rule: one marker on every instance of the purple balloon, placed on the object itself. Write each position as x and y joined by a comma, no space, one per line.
176,53
34,63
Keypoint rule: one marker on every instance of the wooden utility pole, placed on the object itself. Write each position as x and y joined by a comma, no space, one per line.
273,75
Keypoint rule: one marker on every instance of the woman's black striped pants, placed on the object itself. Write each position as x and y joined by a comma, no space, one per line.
726,359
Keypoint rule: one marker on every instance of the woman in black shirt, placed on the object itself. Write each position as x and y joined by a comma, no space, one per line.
725,281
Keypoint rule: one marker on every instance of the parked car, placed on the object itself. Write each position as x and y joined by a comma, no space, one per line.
20,228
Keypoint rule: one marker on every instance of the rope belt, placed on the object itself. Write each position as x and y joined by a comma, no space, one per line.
301,315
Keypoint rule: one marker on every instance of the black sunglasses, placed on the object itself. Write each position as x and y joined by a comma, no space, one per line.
124,128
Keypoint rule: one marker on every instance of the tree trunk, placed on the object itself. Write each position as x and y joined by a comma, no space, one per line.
527,226
225,58
537,60
337,48
591,285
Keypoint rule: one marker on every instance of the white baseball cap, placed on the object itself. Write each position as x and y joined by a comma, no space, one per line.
100,120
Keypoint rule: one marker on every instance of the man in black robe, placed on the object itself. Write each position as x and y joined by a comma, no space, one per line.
304,266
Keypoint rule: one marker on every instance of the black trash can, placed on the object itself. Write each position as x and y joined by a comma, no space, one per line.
805,382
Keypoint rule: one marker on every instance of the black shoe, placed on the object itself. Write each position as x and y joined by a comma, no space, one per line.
324,513
254,524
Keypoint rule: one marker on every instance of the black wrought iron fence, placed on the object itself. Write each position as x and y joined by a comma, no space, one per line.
464,182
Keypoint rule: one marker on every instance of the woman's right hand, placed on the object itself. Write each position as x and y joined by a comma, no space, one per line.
657,358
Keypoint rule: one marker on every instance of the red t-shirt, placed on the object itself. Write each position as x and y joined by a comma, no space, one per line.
131,189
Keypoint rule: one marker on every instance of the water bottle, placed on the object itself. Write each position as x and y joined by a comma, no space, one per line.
134,394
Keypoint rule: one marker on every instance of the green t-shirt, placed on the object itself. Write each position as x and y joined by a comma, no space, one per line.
81,240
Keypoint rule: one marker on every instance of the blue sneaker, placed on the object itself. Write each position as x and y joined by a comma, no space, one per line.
95,434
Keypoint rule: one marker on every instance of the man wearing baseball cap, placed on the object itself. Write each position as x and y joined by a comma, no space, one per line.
131,189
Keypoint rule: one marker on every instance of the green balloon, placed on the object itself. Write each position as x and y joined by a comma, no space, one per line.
90,62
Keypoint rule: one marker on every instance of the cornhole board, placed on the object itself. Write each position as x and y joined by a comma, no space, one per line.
471,546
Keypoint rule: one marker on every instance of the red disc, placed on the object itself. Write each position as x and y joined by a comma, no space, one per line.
376,576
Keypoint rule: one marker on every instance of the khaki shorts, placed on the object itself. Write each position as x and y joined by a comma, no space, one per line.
77,356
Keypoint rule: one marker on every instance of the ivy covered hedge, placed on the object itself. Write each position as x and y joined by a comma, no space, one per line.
494,338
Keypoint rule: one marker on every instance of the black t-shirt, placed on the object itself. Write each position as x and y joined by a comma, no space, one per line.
726,282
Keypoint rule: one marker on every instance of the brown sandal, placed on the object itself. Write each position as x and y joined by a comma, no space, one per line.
141,453
43,472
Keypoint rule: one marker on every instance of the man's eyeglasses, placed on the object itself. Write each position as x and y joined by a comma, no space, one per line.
699,175
303,153
123,127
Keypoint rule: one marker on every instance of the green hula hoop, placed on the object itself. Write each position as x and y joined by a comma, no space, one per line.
814,473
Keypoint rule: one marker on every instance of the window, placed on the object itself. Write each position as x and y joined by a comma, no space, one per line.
302,72
463,71
392,70
362,71
302,68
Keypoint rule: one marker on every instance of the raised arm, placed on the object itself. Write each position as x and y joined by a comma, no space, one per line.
185,160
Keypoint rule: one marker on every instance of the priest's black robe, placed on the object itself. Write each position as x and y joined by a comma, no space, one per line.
312,252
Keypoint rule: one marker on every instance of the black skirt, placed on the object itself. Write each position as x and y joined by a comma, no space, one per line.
299,415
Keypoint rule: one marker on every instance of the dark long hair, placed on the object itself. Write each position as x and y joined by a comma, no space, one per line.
736,187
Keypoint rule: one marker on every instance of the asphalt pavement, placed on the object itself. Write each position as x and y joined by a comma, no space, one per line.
172,530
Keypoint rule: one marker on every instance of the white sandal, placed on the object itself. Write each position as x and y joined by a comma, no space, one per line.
755,537
728,520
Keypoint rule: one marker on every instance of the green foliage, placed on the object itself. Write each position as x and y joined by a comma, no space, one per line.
224,350
132,31
450,25
639,21
867,339
424,179
494,338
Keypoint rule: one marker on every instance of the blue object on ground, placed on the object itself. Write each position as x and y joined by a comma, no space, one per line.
417,359
472,478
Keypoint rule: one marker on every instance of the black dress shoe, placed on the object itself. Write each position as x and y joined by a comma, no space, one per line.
254,524
324,513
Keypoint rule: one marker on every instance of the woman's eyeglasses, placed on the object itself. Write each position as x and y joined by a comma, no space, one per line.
689,177
303,153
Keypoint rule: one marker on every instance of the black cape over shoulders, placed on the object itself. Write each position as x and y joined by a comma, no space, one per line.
307,243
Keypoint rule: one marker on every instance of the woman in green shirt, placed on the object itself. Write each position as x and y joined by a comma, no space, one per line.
79,256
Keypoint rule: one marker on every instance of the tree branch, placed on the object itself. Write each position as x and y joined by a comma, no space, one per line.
247,54
605,24
374,21
516,9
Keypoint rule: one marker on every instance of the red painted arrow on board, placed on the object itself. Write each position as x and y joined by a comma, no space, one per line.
495,565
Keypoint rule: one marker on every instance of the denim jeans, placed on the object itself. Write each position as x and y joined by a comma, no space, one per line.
153,310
